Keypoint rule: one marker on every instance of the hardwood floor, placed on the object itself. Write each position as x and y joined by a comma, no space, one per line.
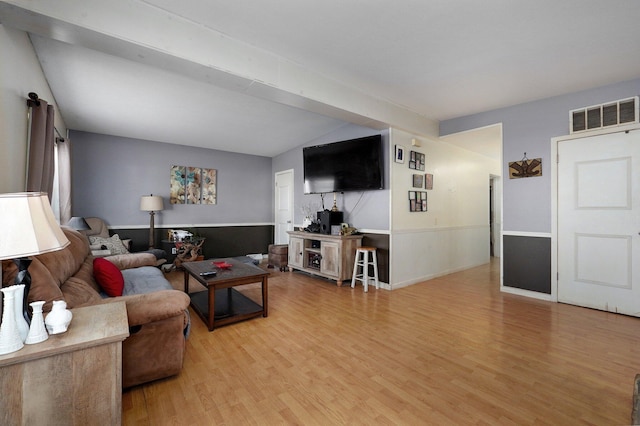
453,350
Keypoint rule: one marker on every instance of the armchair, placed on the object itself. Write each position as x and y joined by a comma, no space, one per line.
103,244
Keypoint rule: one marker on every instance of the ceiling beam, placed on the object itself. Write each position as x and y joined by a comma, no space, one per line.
140,32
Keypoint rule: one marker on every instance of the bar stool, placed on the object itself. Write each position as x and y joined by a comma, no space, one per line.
362,259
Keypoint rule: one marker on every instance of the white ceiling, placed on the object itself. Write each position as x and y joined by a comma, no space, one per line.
439,59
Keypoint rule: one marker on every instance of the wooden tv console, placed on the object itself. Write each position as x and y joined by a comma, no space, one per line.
329,256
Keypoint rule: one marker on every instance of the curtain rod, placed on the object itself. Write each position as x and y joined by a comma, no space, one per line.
34,100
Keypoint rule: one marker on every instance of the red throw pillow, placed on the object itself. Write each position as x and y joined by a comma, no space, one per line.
108,277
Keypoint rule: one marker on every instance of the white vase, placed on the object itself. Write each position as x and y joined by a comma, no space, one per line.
59,318
18,304
37,331
10,340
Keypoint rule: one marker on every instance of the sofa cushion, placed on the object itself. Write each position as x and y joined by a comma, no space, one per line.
132,260
144,279
113,244
108,276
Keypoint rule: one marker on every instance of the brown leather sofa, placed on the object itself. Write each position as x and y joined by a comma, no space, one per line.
158,320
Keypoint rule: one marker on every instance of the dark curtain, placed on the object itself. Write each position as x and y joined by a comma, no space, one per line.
41,166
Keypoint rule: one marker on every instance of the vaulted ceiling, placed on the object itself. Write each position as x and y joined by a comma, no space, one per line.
262,77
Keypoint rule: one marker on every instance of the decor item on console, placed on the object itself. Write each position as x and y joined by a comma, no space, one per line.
151,203
10,340
179,235
28,227
59,318
157,314
37,331
309,211
329,218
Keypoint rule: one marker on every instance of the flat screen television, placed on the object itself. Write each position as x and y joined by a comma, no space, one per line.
351,165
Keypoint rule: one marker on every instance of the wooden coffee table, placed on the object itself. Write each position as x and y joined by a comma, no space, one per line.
221,304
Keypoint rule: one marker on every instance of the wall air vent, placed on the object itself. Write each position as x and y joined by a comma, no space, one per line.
606,115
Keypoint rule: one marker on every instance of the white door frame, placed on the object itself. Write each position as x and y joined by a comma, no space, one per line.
554,195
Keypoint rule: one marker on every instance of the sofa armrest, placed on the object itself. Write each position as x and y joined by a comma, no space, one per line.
132,260
156,306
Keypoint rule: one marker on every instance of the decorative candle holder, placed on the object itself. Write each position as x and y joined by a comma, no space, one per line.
37,331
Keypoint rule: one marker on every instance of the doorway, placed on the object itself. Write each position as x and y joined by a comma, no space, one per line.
495,213
283,206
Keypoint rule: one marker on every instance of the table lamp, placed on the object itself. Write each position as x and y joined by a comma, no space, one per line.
78,223
27,228
151,203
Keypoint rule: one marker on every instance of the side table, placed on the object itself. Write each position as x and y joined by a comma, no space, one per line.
71,378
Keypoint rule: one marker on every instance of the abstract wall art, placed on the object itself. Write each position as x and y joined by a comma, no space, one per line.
193,185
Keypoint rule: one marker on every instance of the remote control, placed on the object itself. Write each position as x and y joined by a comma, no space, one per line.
208,274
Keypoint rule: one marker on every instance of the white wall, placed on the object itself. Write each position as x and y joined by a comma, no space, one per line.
20,73
454,233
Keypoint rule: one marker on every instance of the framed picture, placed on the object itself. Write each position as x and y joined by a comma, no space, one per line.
525,168
399,158
417,181
192,185
417,201
416,160
428,181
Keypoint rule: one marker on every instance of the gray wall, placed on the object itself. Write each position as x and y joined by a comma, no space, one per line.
365,209
111,173
529,128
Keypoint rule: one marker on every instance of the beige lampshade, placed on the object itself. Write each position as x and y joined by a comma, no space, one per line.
151,203
28,226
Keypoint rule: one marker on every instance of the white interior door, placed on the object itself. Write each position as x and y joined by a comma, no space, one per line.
284,206
598,222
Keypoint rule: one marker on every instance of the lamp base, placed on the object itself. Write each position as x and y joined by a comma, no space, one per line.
151,231
23,277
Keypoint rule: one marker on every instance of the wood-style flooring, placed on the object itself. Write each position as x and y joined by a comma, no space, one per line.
453,350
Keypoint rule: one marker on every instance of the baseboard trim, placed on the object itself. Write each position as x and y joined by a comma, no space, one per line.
432,276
